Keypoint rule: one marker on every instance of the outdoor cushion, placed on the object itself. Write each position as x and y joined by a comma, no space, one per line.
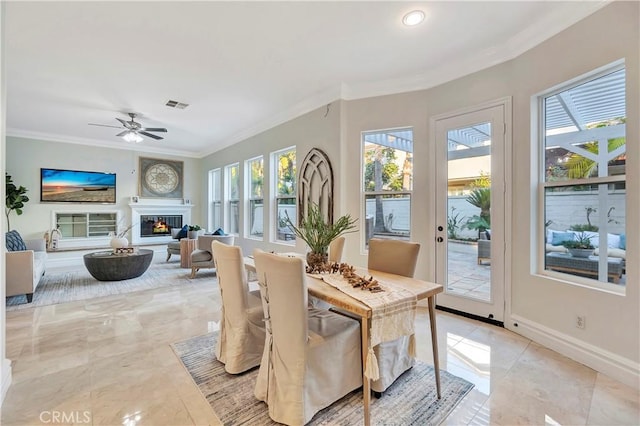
14,241
623,241
613,252
218,231
559,237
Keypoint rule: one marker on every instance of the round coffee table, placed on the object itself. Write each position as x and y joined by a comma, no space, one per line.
109,266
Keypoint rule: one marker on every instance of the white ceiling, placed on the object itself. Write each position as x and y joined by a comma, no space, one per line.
242,66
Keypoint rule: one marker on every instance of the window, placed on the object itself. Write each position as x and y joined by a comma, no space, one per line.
215,200
285,190
387,163
232,178
255,182
86,225
583,185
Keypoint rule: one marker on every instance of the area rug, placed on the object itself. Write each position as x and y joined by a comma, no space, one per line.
63,287
411,400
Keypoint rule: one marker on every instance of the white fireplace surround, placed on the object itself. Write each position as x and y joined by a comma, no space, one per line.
153,209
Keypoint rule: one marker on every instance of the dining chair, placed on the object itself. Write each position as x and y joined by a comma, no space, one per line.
242,331
396,356
335,250
312,357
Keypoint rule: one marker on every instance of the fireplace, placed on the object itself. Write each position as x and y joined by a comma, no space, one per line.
155,218
154,226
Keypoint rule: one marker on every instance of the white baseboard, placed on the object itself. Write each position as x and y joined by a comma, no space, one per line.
601,360
6,378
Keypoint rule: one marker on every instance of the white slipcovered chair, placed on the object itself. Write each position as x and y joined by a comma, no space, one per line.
242,332
312,357
202,256
394,357
335,250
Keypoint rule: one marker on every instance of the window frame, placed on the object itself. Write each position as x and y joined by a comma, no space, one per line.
392,193
229,201
274,223
541,184
215,199
250,198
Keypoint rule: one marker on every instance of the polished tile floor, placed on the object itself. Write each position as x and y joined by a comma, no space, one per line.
108,361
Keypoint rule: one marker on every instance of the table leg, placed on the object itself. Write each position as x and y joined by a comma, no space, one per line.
434,341
366,385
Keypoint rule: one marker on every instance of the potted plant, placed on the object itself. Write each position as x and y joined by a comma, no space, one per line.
194,231
15,198
318,234
580,246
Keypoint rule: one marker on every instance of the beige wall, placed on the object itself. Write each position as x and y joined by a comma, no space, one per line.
316,129
543,308
25,157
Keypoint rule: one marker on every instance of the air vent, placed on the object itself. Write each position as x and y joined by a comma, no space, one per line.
176,104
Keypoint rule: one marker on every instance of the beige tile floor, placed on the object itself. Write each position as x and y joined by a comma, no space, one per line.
108,362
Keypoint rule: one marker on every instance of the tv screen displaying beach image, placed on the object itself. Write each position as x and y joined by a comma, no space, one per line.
77,186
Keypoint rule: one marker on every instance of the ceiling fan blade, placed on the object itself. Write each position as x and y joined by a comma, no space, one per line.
104,125
153,129
150,135
122,133
124,123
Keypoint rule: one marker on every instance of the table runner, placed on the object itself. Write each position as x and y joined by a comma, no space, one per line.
392,314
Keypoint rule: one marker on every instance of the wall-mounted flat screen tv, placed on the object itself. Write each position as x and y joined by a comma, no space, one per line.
75,186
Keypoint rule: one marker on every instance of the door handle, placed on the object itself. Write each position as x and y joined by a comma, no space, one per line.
439,239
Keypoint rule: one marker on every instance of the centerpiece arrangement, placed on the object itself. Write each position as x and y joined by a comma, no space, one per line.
318,234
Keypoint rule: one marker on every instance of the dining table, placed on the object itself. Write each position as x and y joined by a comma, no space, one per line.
320,289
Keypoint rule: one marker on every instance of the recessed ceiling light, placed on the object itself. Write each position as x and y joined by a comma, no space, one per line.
413,18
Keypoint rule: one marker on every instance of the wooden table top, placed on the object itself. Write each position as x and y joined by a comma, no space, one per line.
328,293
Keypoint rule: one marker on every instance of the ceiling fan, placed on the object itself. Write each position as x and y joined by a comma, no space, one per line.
134,130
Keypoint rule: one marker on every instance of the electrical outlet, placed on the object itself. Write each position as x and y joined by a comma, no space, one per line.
581,321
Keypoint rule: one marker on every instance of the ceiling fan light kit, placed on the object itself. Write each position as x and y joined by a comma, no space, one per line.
133,130
132,137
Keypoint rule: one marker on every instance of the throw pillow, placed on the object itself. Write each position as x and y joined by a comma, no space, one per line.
218,231
623,241
183,232
559,237
488,233
14,241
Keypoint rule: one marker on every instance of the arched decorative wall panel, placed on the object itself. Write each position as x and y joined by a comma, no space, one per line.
315,184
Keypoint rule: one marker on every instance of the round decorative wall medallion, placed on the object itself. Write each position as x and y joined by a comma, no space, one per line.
161,178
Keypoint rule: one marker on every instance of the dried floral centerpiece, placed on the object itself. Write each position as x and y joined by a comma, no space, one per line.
318,234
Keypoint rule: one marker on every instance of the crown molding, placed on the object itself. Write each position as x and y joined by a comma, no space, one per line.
19,133
307,105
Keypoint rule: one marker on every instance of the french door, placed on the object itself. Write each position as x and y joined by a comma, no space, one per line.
470,217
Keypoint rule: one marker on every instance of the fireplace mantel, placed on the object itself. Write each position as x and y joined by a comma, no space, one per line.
157,209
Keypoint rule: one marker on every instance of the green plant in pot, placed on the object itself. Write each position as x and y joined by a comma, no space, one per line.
318,234
580,246
15,198
194,231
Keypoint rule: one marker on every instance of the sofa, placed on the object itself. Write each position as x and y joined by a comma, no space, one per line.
616,244
25,264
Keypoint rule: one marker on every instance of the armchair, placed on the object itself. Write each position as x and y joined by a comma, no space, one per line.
25,265
202,257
